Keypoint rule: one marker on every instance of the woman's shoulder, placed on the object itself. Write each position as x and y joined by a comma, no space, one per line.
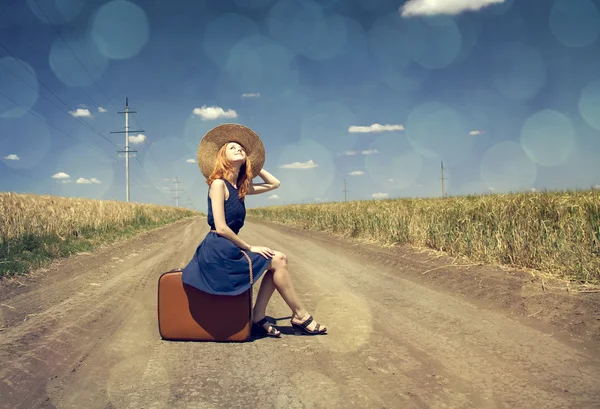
220,182
217,185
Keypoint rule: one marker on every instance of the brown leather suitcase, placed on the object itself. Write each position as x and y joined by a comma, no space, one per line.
188,314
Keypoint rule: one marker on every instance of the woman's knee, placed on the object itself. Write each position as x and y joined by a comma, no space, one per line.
278,260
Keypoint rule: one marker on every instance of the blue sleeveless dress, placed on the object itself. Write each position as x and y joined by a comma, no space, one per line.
219,266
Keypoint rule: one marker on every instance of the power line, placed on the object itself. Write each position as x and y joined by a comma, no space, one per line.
74,55
63,102
96,67
90,59
57,128
53,126
49,90
32,45
127,151
158,165
58,107
160,170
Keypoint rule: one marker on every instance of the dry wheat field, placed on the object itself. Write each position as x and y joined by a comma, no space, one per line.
556,232
34,229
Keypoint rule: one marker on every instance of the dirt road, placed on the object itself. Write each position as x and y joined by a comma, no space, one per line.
405,331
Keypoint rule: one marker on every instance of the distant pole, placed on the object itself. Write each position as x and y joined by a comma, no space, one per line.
443,178
127,144
176,190
345,190
127,151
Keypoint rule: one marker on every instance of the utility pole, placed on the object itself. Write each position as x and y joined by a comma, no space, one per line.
177,190
127,151
443,178
345,190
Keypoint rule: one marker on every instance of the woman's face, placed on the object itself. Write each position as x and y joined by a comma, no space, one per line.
235,153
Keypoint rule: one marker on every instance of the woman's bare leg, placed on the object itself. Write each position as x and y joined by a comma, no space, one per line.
283,282
266,290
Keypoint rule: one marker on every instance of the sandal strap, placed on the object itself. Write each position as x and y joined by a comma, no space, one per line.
272,329
306,323
262,322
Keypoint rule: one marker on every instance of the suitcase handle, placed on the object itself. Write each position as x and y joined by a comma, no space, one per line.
250,267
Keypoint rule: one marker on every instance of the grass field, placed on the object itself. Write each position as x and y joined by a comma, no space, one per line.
555,232
34,230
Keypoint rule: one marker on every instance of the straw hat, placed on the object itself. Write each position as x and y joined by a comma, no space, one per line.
222,134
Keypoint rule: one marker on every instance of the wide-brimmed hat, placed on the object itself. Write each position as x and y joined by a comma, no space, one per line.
224,133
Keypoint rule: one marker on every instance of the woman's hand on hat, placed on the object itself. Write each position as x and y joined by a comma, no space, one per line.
264,251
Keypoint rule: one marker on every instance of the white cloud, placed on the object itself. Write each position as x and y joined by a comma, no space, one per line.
84,181
379,195
210,113
137,139
273,197
369,151
100,109
390,180
191,161
300,165
81,112
452,7
60,175
350,153
318,199
476,132
357,173
251,95
12,157
65,178
375,128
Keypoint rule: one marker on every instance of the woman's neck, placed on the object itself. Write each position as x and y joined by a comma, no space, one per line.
234,179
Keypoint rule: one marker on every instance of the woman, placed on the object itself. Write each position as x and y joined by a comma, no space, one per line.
223,263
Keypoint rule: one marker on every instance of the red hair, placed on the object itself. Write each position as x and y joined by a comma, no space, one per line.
223,169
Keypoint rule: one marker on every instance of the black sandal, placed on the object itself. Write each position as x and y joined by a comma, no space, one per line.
302,329
272,333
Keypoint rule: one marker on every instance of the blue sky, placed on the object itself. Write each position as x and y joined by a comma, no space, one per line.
505,93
